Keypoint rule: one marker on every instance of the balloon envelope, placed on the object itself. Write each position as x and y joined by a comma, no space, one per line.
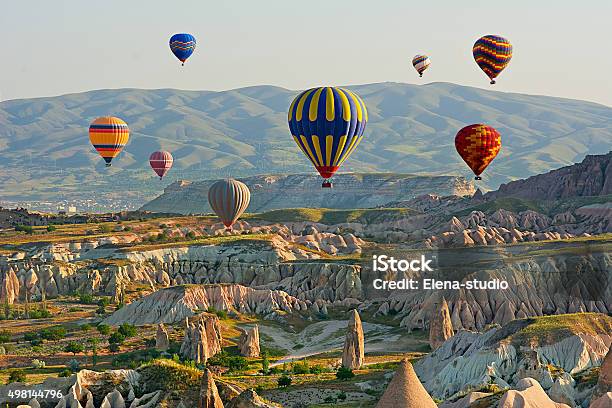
492,53
108,135
327,124
228,199
478,145
421,63
182,46
161,162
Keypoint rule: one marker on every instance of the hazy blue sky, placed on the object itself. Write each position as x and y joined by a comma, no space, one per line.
52,47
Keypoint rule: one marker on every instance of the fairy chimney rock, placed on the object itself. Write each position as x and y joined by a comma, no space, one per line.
440,326
405,390
161,338
209,395
249,342
353,354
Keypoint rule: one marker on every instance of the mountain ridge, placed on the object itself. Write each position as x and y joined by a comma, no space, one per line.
243,132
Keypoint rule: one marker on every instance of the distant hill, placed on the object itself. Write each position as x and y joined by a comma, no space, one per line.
45,151
304,191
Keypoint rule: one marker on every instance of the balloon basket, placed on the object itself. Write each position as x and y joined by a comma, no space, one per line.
107,164
327,184
492,82
477,178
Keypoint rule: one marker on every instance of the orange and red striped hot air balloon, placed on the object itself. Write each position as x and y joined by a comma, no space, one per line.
108,135
478,145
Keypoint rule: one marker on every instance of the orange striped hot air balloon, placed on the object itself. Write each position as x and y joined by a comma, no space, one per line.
478,145
108,135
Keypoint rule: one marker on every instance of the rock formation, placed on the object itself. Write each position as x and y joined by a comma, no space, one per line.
471,360
440,326
604,384
405,390
528,393
9,286
269,192
161,338
209,396
249,399
202,338
173,304
248,343
591,177
605,401
353,353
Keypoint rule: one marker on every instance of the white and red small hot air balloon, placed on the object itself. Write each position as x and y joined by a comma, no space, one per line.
161,162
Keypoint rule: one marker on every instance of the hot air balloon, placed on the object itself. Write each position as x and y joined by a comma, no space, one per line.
108,135
492,54
182,46
478,145
327,124
228,199
161,162
421,63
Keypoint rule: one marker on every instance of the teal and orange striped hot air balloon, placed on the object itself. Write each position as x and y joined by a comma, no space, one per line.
327,123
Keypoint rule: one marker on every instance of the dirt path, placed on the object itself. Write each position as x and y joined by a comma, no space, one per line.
327,336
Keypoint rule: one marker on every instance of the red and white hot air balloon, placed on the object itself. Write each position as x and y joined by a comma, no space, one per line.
161,162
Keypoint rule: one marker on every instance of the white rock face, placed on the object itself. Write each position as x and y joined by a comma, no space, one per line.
528,394
174,304
472,360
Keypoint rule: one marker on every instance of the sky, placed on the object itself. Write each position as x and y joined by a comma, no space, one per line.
561,48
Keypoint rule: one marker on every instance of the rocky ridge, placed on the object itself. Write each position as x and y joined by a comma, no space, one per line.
270,192
591,177
173,304
469,361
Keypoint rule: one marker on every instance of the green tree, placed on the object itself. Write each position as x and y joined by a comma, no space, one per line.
17,376
5,336
74,348
104,329
265,363
344,373
53,333
93,346
127,330
51,228
284,381
116,338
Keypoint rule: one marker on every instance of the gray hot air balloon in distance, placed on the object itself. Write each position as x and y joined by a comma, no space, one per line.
228,199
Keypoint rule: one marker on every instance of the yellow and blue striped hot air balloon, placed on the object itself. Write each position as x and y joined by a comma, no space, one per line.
108,135
327,124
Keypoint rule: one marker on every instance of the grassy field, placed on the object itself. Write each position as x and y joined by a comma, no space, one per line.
330,216
554,328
